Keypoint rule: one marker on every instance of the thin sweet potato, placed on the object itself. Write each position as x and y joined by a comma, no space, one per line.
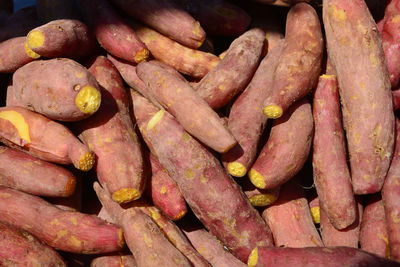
356,53
14,54
49,10
114,261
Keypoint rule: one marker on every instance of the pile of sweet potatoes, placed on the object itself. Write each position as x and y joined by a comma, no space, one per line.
200,133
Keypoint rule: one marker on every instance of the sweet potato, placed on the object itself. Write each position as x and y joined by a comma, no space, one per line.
74,201
213,196
178,98
373,232
10,98
19,248
111,136
43,138
300,62
14,54
166,17
259,197
49,10
21,171
290,220
164,192
68,92
287,147
186,60
64,230
113,34
355,51
396,99
322,256
234,71
143,237
331,174
114,261
313,203
61,38
246,120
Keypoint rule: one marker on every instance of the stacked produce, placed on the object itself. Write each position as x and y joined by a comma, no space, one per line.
200,133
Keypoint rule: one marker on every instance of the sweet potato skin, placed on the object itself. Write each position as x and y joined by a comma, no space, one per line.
114,261
68,93
364,88
13,54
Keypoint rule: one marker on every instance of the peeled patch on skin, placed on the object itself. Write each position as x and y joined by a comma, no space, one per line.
155,119
19,122
88,99
253,258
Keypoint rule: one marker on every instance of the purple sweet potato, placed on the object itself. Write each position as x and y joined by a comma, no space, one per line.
60,89
64,230
246,120
290,220
43,138
14,54
300,62
49,10
166,17
287,147
234,71
356,53
114,261
313,203
178,98
213,196
19,248
331,174
110,134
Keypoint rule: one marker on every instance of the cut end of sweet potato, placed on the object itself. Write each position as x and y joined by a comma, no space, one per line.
180,215
121,242
257,179
19,122
142,55
253,258
126,195
272,111
262,200
86,162
315,214
236,169
88,100
155,119
30,52
70,186
35,39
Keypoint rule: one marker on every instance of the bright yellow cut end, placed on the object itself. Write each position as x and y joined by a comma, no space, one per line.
262,200
315,214
88,99
273,111
35,39
179,216
19,122
257,179
142,55
236,169
86,162
126,195
30,52
253,258
121,242
154,214
155,119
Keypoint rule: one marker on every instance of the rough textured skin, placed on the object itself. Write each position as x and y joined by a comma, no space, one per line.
234,71
166,17
64,230
114,261
178,98
374,233
52,88
23,172
300,62
391,199
213,196
13,55
331,174
18,248
355,51
323,256
111,135
246,120
55,144
218,17
287,147
189,61
61,38
347,237
49,10
144,238
211,249
164,192
113,34
290,220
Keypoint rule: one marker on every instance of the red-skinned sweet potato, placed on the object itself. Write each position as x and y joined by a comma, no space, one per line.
114,261
14,54
259,197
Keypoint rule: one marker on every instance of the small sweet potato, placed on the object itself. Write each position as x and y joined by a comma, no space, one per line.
43,138
14,54
49,10
114,261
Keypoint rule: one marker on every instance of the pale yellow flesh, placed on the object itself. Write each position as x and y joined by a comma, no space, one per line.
236,169
253,258
273,111
35,39
257,179
88,99
30,52
18,121
126,195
